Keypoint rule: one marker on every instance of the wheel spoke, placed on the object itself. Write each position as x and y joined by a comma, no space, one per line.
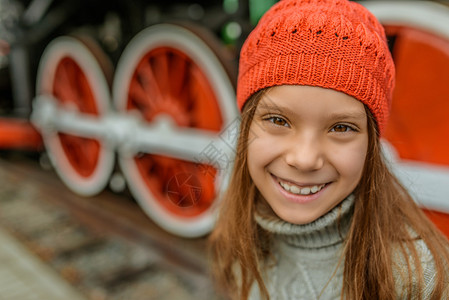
90,152
178,70
85,98
149,84
82,153
139,98
207,115
178,185
72,80
62,85
161,69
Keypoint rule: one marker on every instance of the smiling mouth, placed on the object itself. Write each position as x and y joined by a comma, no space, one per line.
304,190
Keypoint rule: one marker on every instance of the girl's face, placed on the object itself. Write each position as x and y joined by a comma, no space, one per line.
306,150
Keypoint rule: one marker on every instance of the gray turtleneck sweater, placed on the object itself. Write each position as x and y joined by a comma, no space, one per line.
308,258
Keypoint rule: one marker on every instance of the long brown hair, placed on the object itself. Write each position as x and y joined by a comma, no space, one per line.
386,220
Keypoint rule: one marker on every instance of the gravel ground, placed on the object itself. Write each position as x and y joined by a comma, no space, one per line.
101,265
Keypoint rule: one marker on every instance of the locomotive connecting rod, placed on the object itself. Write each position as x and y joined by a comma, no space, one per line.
128,133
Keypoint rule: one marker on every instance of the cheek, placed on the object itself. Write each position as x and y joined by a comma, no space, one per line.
260,149
255,155
349,161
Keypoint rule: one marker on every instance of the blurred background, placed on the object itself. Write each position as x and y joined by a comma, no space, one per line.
118,127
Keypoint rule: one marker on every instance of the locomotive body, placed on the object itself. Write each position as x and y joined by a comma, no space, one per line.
147,88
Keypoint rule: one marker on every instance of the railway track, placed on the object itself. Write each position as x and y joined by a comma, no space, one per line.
104,245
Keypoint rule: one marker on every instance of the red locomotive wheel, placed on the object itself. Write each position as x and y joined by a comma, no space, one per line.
418,129
70,73
168,73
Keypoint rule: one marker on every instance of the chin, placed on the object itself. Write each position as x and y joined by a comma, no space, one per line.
297,218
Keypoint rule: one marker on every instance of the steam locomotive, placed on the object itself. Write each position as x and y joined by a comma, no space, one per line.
141,94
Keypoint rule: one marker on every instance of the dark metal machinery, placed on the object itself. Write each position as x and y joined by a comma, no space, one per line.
150,85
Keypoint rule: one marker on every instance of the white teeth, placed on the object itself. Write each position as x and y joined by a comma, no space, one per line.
305,191
294,189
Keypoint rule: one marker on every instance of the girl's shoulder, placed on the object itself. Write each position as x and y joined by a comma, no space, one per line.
406,271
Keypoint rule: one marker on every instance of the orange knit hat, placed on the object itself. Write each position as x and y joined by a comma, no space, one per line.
335,44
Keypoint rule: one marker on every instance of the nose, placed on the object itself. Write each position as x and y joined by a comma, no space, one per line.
305,154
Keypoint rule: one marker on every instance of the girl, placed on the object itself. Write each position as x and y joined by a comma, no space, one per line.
312,211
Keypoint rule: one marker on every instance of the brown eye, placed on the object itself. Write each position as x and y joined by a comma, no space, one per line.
278,121
341,128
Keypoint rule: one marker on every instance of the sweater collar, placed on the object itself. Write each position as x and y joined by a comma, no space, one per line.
326,231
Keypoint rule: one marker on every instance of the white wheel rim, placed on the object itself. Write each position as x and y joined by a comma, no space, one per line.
176,37
427,182
72,48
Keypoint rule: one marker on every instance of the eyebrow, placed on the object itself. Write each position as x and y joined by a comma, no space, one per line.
347,115
274,108
357,115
